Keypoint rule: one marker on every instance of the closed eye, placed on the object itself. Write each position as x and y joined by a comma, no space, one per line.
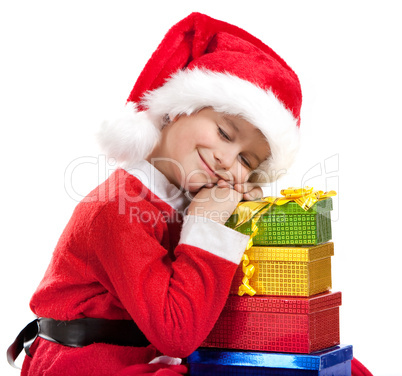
223,134
245,162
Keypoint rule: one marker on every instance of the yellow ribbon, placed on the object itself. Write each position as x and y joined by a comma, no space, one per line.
304,197
246,210
248,271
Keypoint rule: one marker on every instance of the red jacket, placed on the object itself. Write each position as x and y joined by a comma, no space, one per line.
126,254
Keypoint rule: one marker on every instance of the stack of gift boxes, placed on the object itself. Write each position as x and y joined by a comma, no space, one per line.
290,324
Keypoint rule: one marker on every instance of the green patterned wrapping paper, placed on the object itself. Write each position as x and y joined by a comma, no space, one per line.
289,224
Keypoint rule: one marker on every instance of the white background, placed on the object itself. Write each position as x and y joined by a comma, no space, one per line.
65,66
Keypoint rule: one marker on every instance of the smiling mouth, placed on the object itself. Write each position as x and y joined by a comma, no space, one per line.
207,168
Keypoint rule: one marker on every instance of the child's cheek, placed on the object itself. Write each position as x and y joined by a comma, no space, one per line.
245,175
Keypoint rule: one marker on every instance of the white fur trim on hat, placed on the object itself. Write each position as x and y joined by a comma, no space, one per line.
187,91
190,90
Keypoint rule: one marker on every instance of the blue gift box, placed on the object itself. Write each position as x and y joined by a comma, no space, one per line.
334,361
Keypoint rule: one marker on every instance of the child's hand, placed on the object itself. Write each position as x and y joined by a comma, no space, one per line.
216,203
250,191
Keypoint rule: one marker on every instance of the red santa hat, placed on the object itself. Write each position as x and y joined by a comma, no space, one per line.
203,62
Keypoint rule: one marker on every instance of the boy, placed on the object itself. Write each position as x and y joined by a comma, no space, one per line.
143,268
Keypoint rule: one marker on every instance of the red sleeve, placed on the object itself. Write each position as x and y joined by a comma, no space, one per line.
358,369
174,303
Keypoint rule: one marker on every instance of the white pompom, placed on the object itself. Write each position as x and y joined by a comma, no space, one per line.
130,137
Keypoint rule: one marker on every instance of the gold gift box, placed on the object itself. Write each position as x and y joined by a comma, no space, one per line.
294,271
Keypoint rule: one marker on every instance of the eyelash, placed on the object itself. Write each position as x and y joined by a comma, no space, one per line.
223,134
245,162
226,137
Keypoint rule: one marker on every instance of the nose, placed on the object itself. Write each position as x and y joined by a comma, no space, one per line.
226,165
224,159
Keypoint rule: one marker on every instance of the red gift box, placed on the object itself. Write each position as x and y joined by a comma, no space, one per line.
281,324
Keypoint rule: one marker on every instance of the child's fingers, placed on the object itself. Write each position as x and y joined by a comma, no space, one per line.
243,188
208,185
216,203
254,194
246,187
224,184
220,183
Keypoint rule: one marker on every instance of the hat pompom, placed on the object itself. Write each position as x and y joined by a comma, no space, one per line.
130,137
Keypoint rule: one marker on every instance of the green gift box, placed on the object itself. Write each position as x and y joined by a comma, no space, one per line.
289,224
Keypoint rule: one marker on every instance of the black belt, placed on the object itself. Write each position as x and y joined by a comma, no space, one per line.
77,333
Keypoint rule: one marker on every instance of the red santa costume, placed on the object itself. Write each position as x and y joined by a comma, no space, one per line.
122,256
130,252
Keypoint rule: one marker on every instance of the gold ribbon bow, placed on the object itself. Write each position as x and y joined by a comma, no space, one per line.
246,210
304,197
248,271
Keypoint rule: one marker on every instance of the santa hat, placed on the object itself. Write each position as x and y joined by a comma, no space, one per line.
203,62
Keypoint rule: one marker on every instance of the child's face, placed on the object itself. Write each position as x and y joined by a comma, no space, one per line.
207,146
